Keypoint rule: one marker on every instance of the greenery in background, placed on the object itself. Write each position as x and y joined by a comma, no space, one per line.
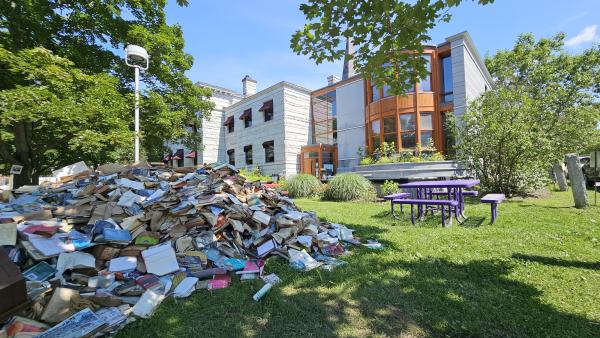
349,187
386,153
92,35
381,30
302,185
544,105
255,175
389,187
71,115
533,273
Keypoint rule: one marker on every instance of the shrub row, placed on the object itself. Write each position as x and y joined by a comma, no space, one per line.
343,187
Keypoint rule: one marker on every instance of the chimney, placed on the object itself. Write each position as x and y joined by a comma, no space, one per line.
249,86
348,62
331,79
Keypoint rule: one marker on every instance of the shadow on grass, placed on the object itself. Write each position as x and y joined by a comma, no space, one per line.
473,222
558,261
428,297
545,206
374,295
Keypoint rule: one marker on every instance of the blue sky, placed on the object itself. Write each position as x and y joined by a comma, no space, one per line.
229,39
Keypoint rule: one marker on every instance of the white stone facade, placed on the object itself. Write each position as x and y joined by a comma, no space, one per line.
289,128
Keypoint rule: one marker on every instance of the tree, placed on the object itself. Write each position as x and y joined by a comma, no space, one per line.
543,105
72,116
91,34
381,30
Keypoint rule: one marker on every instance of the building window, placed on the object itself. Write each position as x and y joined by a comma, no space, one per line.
229,124
231,156
248,154
447,87
386,91
374,93
426,127
375,134
425,84
408,136
247,117
389,129
269,147
267,109
324,118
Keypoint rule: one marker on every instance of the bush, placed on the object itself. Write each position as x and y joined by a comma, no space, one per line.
349,187
302,185
254,175
367,161
385,160
389,187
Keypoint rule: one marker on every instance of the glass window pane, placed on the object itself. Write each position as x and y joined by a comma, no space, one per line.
425,84
426,138
389,138
447,86
389,124
409,140
375,92
407,122
386,91
426,121
375,128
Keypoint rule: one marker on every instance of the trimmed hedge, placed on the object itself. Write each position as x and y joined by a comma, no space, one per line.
349,187
302,185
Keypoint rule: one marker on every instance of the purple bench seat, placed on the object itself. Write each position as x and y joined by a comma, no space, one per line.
395,196
493,200
441,203
392,197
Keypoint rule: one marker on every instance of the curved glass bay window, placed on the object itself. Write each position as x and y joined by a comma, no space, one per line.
415,117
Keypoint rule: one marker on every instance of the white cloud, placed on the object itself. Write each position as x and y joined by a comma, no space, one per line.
588,34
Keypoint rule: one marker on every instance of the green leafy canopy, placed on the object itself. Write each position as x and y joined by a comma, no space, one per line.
381,30
91,35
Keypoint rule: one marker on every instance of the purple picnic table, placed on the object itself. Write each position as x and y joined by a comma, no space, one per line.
453,187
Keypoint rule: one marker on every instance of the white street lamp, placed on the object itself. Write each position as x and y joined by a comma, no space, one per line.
137,57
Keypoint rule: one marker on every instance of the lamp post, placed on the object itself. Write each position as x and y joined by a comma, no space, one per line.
137,57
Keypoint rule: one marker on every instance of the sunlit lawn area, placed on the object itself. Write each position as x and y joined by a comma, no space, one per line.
535,272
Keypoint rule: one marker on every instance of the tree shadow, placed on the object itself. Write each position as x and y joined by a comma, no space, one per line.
545,206
375,295
473,222
428,297
558,261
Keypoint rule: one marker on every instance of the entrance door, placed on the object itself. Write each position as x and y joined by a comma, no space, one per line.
309,166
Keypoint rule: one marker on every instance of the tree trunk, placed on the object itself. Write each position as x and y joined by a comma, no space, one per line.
577,181
559,175
22,132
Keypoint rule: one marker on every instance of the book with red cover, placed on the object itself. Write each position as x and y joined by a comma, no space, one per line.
148,281
219,282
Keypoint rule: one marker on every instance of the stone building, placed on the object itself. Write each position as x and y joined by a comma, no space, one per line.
285,128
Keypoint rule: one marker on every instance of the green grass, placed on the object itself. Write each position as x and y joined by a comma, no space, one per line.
535,272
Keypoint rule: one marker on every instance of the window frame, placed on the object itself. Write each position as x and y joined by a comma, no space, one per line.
421,129
268,114
427,56
231,157
269,146
248,149
443,90
402,131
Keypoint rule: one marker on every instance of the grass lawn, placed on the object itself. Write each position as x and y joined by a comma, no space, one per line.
535,272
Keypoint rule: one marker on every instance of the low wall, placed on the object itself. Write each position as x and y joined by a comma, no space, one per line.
408,170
